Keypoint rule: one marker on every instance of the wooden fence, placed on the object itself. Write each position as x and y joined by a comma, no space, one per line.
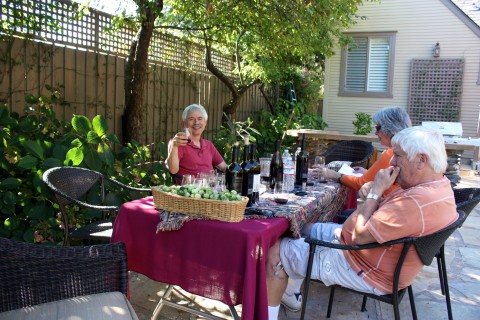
86,64
93,83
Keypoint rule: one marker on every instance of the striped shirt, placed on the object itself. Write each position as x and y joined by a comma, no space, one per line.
417,211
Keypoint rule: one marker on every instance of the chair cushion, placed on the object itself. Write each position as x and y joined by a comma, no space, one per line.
110,305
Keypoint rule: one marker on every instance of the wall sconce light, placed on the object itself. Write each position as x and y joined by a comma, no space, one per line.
436,50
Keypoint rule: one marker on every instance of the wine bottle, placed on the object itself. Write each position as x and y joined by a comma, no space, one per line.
276,166
232,178
255,172
301,173
247,177
288,171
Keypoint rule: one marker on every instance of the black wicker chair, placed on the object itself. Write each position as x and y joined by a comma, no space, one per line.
466,200
356,151
34,274
426,248
71,185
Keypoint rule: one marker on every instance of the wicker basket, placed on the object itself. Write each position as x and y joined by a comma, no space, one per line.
229,211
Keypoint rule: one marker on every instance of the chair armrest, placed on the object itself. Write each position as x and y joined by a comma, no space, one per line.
355,247
84,204
122,185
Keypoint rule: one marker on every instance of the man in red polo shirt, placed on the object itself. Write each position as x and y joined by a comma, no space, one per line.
192,154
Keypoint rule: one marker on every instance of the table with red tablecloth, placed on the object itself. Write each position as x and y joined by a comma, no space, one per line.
219,260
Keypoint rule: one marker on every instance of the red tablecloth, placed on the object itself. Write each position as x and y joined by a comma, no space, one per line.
219,260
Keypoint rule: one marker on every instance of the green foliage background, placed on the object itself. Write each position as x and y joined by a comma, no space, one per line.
36,141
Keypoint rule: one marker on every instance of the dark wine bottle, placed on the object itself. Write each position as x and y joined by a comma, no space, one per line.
233,180
255,172
276,166
247,177
301,173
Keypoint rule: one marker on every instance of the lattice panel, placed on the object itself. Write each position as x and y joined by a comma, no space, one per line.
435,90
89,33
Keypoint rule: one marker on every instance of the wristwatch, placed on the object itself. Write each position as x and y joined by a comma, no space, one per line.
373,196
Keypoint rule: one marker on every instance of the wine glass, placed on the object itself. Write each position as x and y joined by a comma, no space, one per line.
265,171
279,194
187,179
220,185
187,133
319,166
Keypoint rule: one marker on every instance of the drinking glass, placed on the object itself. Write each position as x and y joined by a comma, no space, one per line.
265,171
201,182
187,179
220,185
279,193
319,165
187,133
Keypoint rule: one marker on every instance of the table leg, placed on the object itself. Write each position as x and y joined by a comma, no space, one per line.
164,300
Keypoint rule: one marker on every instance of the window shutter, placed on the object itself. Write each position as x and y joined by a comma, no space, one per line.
356,72
378,64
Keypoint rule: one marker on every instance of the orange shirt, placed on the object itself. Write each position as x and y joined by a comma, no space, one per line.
417,211
382,162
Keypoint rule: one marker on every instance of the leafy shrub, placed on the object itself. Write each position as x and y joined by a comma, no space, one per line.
37,141
363,123
274,126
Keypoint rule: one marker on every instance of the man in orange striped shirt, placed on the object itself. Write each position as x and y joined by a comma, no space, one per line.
422,205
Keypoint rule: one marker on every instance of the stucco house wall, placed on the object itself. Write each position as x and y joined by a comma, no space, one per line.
419,25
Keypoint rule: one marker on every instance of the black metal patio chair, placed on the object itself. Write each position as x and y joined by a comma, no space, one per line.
72,185
426,248
466,200
32,274
356,151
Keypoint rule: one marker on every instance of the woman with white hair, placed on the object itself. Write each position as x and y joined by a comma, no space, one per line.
192,154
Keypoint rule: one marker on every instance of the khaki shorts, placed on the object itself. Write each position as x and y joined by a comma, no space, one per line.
329,265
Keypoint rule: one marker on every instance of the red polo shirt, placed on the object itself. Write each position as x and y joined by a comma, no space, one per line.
193,159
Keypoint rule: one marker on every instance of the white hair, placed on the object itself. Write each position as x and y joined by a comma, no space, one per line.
194,107
422,140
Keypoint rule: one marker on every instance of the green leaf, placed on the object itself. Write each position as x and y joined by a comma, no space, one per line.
81,124
31,99
112,138
76,143
28,162
9,198
35,148
105,153
39,212
5,119
100,125
92,159
51,163
74,157
11,223
92,137
10,183
60,151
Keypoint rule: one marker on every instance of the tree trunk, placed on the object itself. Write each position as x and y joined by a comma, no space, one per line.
135,72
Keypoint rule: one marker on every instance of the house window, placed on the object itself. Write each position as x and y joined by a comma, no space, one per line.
367,66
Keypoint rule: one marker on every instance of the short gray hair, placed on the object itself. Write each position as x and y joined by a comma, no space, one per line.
392,120
194,107
416,140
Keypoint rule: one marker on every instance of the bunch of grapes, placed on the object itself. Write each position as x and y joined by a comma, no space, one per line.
204,192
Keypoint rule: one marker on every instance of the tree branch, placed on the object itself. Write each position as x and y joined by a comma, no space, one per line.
237,56
215,71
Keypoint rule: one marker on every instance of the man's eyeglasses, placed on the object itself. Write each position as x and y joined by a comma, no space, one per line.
378,127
